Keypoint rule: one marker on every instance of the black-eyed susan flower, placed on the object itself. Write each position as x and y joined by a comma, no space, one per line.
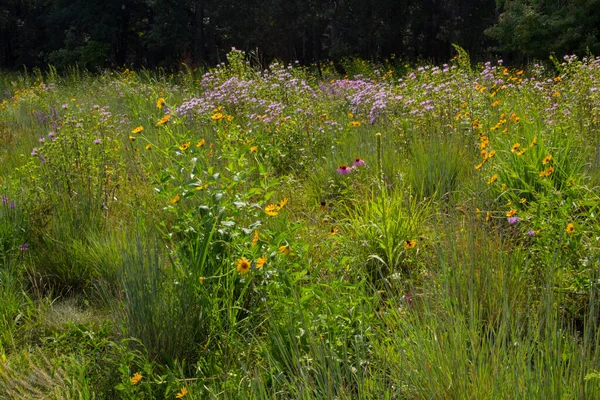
200,143
492,179
164,120
282,203
350,115
491,154
355,124
511,212
333,231
148,146
181,393
160,103
547,159
261,262
216,116
410,244
533,142
271,210
137,130
243,266
570,228
253,149
285,249
515,147
184,146
136,378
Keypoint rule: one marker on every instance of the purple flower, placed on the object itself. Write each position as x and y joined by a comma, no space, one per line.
344,170
12,204
34,152
65,106
531,232
358,162
24,246
513,220
97,141
42,139
4,200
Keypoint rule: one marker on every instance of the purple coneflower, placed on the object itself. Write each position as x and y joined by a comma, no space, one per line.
344,170
358,162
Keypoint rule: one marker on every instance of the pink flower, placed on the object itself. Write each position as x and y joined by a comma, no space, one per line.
344,170
358,162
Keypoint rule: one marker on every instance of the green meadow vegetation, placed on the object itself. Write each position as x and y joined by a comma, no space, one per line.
401,232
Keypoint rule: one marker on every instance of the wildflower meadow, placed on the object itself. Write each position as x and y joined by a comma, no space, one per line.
250,232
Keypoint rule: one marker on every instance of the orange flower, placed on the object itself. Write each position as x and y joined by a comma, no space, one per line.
410,244
200,143
570,228
511,212
175,199
181,393
136,378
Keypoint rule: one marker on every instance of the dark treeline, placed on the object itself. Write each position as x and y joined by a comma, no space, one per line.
108,33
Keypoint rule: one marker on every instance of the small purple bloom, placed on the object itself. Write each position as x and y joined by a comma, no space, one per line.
4,200
531,232
97,141
34,152
24,246
65,106
12,204
513,220
42,139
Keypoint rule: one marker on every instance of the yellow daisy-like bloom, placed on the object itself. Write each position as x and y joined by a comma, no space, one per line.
261,262
285,249
131,138
136,378
484,154
282,203
355,124
160,103
175,199
200,143
350,115
164,120
515,147
478,166
523,200
410,244
333,231
547,159
547,172
181,393
216,116
184,146
272,210
243,266
492,179
511,212
230,118
255,238
494,104
533,142
253,149
521,152
570,228
137,130
491,154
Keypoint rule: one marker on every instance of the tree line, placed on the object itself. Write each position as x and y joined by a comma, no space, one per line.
151,33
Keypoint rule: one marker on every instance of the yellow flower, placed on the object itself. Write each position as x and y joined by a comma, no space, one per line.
515,147
230,118
492,179
355,124
184,146
533,142
494,104
488,216
491,154
137,130
523,200
285,249
181,393
200,143
271,210
160,103
202,187
131,138
333,231
253,149
410,244
261,262
478,212
255,238
547,159
163,120
511,212
243,266
136,378
478,166
282,203
202,280
547,172
570,228
217,116
148,146
521,152
175,199
350,115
